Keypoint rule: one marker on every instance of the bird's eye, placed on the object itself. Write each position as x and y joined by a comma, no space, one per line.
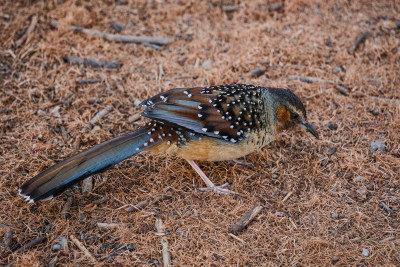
295,116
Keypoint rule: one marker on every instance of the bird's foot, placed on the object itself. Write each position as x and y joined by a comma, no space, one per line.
217,189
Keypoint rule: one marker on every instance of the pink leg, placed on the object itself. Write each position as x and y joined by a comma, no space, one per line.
210,185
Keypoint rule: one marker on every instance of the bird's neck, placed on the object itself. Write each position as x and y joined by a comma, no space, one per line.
270,113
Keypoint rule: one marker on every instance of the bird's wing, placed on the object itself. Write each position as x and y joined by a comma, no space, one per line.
225,112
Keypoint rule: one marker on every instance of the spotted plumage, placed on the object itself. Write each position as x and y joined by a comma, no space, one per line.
203,123
228,112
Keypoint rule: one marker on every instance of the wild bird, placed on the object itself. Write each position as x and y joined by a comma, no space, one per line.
214,123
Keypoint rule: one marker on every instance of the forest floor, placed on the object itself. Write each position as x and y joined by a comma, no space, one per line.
330,201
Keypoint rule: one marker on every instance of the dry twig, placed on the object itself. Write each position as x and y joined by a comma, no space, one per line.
341,89
117,37
237,238
93,62
246,219
160,227
308,79
28,32
151,200
53,262
32,243
358,41
287,196
230,8
384,99
88,81
101,200
50,105
67,206
83,248
108,225
7,238
5,16
96,118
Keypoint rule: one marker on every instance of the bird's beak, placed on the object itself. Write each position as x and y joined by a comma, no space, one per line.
309,128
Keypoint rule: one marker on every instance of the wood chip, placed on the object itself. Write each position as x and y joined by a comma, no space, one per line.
83,248
164,242
87,185
7,239
109,225
67,206
246,219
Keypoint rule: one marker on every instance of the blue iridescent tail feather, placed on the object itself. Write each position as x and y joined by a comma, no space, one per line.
70,171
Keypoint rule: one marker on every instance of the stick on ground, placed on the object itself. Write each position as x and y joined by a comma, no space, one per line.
83,248
117,37
287,196
33,243
108,225
152,200
7,239
384,99
160,227
308,79
28,32
96,118
237,238
88,81
246,219
358,41
341,89
93,62
67,206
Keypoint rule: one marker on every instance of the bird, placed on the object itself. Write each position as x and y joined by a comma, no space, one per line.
216,123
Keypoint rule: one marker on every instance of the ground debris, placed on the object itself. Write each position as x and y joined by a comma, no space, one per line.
31,244
385,207
341,89
93,62
246,219
151,200
117,37
83,248
257,72
378,145
28,32
360,39
96,118
160,227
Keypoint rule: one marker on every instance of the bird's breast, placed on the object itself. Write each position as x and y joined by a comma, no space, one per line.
195,146
213,149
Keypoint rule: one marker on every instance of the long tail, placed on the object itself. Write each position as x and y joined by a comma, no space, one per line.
70,171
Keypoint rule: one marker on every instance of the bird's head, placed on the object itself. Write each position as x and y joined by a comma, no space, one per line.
290,111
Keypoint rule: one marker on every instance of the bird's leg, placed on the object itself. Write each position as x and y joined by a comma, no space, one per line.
210,185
